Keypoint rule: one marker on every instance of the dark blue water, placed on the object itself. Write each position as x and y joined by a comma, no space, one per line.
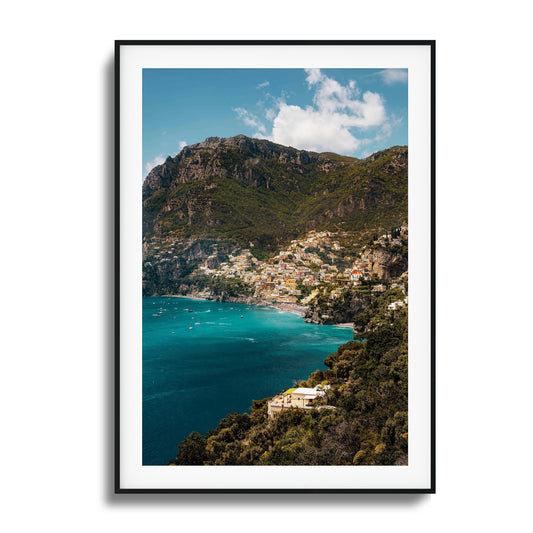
194,377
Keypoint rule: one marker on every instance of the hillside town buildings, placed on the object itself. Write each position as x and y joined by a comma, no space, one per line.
293,275
321,264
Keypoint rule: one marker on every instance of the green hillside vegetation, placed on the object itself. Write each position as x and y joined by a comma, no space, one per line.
376,314
368,426
249,192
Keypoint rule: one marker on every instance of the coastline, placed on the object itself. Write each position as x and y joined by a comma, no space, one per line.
295,351
187,297
295,309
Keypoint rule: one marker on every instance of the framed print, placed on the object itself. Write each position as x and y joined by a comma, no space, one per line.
275,238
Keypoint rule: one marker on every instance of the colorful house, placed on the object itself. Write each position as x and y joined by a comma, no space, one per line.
355,275
295,398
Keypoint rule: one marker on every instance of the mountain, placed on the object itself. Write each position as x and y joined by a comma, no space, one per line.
221,195
249,190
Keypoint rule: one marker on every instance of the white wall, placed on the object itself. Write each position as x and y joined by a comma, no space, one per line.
56,215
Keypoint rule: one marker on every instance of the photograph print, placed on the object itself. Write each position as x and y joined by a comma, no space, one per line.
275,268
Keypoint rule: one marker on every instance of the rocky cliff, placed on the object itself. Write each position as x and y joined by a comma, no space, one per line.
384,263
238,158
331,312
168,263
223,194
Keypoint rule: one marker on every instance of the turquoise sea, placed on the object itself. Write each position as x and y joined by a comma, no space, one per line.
203,360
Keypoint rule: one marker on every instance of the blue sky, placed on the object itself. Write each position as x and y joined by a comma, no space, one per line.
348,111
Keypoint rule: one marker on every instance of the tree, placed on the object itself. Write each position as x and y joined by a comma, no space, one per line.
191,451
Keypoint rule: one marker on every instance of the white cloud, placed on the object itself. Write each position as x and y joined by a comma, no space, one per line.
250,119
270,114
328,124
342,118
264,84
314,130
157,160
394,75
332,97
385,131
181,146
313,76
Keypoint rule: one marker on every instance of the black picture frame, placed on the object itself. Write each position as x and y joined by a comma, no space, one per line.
119,47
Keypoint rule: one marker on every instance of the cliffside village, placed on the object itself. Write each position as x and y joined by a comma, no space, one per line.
299,273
